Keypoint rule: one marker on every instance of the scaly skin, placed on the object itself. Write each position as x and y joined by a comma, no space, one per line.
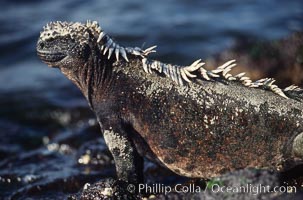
199,129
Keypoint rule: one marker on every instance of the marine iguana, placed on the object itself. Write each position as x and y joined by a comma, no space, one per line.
196,122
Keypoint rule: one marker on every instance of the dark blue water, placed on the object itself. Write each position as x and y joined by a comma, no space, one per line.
183,30
39,107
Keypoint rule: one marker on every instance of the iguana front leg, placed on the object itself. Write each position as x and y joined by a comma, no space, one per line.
129,164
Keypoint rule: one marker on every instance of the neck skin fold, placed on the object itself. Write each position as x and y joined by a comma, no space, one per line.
94,75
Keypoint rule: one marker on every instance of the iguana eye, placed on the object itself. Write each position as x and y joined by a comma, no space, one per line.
50,39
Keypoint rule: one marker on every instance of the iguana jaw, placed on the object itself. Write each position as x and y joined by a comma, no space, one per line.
52,59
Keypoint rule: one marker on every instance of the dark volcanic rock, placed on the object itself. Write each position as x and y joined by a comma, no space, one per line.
282,59
248,184
107,189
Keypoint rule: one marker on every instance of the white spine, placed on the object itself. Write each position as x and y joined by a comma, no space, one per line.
179,74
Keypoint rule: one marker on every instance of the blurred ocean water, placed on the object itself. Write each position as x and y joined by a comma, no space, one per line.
183,30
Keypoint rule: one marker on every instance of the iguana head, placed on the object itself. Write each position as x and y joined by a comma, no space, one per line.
65,45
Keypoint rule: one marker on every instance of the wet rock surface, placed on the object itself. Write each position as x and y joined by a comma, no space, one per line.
243,184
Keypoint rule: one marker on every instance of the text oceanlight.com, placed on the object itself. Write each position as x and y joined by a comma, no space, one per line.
215,188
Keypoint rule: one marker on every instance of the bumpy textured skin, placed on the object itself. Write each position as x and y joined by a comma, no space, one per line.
199,129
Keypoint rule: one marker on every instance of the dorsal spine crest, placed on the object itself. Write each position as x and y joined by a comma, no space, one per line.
179,74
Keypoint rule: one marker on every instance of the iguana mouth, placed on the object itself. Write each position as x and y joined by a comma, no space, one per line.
49,57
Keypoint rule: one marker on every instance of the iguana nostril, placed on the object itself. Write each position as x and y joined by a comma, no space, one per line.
41,45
